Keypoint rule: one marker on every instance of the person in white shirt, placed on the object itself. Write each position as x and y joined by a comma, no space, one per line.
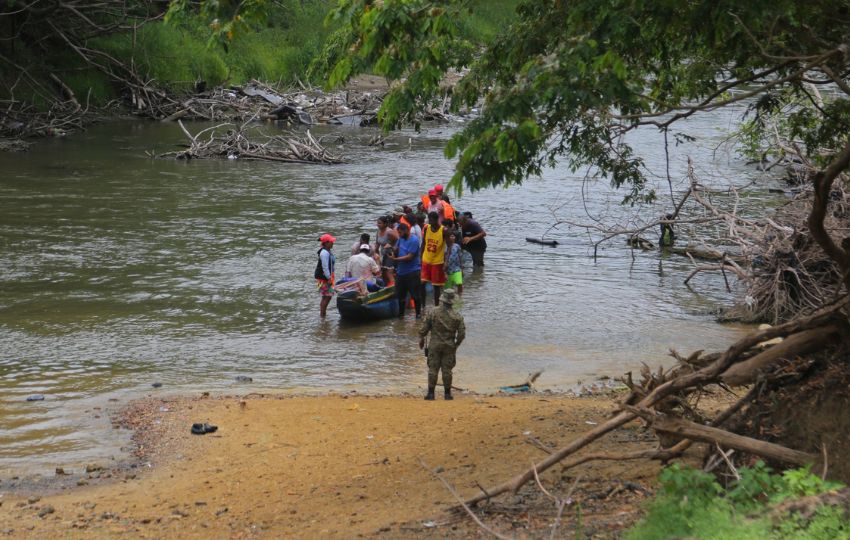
362,266
364,239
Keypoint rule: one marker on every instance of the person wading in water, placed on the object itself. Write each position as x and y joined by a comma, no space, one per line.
434,255
668,235
324,272
384,244
407,281
473,238
448,331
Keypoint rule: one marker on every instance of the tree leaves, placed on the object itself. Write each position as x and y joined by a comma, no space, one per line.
566,80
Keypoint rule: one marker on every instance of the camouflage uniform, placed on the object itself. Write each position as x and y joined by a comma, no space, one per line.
447,332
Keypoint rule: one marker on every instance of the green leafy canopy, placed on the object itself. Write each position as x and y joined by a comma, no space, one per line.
567,79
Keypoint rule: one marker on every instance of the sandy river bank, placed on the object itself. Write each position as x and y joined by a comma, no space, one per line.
332,466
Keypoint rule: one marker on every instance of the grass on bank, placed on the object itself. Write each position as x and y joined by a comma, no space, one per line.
691,503
177,55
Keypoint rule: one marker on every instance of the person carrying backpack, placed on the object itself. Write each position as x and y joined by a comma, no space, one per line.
324,272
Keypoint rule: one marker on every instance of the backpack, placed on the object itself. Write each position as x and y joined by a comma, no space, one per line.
319,273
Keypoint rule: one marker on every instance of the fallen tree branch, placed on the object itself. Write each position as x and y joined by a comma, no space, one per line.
693,431
703,376
454,493
803,342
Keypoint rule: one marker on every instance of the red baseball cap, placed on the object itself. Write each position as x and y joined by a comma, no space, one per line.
432,192
438,188
326,238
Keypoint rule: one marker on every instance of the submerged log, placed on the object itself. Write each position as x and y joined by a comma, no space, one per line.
175,116
706,254
542,242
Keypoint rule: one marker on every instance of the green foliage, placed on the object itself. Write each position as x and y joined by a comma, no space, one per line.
254,40
392,36
226,18
178,54
263,56
585,72
688,483
486,19
690,503
802,483
89,85
807,124
172,56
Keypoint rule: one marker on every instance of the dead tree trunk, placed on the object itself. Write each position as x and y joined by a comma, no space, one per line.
695,432
823,181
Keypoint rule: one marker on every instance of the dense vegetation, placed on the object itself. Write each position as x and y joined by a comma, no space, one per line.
567,79
691,503
195,44
177,54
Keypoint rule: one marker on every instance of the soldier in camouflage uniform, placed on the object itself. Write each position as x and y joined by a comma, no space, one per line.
447,332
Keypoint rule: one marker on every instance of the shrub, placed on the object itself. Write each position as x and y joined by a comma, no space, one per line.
690,503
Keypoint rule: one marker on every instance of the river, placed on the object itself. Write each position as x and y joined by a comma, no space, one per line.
118,271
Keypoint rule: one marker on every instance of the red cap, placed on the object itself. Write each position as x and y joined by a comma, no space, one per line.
438,188
432,192
326,238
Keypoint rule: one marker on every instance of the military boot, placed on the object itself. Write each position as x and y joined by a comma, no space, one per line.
430,395
448,394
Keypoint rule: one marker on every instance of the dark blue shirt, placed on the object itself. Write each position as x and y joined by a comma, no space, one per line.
411,245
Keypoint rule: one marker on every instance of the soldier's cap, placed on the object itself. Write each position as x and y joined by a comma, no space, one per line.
448,296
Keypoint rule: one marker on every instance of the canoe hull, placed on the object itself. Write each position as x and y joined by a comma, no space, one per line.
377,306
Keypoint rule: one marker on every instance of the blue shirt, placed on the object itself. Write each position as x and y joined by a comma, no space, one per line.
453,259
410,245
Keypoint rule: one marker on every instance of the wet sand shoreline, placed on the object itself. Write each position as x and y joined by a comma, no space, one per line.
336,465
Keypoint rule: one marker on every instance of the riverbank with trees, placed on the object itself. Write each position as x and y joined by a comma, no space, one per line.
64,64
573,82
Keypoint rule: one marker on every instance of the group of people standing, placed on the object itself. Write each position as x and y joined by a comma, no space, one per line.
411,249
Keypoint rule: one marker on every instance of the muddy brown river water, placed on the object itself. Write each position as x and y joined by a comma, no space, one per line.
118,271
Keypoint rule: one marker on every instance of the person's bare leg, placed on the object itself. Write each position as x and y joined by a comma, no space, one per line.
323,306
437,291
460,290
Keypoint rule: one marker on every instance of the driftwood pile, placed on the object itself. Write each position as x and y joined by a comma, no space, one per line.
234,143
307,106
783,270
254,101
20,120
663,400
791,273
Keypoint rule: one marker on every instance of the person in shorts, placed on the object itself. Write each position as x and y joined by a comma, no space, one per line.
324,272
454,268
434,255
